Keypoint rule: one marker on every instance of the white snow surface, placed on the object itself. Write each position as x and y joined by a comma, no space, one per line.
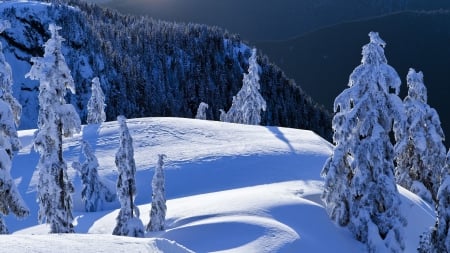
230,188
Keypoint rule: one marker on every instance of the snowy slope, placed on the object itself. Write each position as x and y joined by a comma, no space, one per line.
230,188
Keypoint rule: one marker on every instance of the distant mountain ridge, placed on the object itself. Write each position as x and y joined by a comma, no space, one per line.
281,20
147,67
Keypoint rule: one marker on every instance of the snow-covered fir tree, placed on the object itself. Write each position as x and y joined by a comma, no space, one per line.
10,110
248,103
10,198
96,104
159,208
201,111
128,222
223,115
360,190
94,193
420,151
437,240
56,119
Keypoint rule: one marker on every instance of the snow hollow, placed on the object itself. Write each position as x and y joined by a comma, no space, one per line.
230,188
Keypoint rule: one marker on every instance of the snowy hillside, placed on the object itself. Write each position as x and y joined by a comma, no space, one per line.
230,188
160,68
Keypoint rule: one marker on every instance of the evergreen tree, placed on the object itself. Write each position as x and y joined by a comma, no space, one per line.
248,103
360,191
94,193
159,208
128,222
56,119
437,240
96,105
223,116
420,151
201,111
10,110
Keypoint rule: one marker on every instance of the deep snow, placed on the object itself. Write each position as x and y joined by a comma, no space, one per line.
230,188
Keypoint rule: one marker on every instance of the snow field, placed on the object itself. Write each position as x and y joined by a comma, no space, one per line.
230,188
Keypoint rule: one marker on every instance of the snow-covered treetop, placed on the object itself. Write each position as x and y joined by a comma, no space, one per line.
42,66
416,87
96,104
201,111
161,158
386,79
373,53
122,121
253,71
87,151
248,103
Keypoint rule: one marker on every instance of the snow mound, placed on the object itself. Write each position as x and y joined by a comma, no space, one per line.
230,188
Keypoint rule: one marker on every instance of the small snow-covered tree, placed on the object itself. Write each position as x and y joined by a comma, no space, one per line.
128,222
223,115
10,111
437,240
420,151
96,104
201,111
56,119
360,190
94,193
248,103
159,208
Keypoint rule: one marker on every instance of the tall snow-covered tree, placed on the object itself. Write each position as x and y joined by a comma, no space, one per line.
10,198
248,103
128,222
10,110
360,190
437,240
420,151
159,208
96,104
56,119
94,193
201,111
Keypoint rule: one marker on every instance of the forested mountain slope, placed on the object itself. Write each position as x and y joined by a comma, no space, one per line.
148,67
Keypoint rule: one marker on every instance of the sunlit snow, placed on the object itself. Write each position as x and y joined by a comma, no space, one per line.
230,188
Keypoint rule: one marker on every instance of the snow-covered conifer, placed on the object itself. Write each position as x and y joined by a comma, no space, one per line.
94,193
223,115
248,103
420,151
10,198
56,119
360,190
437,240
96,104
201,111
128,222
10,110
159,208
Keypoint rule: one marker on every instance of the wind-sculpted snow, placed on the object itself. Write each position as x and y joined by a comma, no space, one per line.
229,187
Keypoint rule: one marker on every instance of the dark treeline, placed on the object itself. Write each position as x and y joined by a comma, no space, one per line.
149,67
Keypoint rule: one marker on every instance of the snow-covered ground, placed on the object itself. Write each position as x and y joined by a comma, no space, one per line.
230,188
